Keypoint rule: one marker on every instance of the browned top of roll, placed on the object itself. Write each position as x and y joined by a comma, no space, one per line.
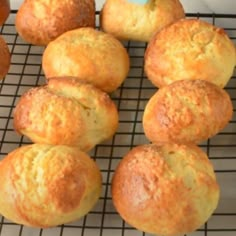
4,10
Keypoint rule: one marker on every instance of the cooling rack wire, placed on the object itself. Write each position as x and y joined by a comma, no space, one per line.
131,98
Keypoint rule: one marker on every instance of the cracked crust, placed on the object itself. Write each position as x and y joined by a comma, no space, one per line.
66,111
5,58
45,186
190,49
90,55
167,190
41,21
186,111
136,21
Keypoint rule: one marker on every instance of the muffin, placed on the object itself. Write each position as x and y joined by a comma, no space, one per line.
66,111
186,111
41,21
190,49
44,186
4,11
130,20
5,58
165,190
90,55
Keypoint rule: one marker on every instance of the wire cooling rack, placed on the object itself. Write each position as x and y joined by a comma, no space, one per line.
131,98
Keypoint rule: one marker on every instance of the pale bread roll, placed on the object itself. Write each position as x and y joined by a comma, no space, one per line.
186,111
66,111
127,19
45,186
190,49
167,190
90,55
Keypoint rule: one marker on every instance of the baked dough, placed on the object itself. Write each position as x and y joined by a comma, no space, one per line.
133,21
45,186
90,55
66,111
5,58
190,49
165,190
4,11
41,21
186,111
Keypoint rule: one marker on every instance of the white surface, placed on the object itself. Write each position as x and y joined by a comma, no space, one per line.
219,6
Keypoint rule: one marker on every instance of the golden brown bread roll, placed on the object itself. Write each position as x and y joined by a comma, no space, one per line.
169,190
186,111
126,19
4,11
190,49
45,186
66,111
5,58
41,21
90,55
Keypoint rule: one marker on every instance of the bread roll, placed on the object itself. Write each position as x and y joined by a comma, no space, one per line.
126,19
68,112
41,21
167,190
190,49
4,11
5,58
186,111
90,55
45,186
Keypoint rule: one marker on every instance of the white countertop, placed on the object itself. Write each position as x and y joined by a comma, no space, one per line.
217,6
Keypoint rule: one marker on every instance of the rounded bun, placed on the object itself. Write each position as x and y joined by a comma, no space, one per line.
41,21
186,111
168,190
90,55
4,11
45,186
66,111
128,20
190,49
5,58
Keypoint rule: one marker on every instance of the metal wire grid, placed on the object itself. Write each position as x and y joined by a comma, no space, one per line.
131,98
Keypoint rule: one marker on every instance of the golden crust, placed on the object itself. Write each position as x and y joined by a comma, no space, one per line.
90,55
186,111
5,58
169,190
127,20
4,11
44,186
41,21
190,49
66,111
